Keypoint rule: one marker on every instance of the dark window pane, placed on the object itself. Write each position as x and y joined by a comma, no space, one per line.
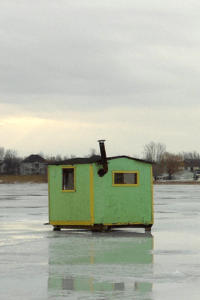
68,284
119,178
68,179
119,286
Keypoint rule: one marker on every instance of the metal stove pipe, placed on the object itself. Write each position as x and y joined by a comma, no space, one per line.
103,171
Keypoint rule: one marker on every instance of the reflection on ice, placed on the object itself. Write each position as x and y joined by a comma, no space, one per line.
38,263
96,263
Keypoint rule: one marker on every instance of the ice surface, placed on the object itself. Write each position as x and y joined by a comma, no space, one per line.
37,263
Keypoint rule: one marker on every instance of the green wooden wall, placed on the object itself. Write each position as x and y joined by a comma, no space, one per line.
121,204
112,204
69,206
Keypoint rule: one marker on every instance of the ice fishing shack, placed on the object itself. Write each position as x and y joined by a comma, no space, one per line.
100,192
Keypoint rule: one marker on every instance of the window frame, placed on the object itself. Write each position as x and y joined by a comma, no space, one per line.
74,189
125,184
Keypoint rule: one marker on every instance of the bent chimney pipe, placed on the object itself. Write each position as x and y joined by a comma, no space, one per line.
103,171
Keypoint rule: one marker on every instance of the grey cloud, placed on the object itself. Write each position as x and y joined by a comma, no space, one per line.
111,52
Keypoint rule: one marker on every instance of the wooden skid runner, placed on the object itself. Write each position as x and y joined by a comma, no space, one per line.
102,227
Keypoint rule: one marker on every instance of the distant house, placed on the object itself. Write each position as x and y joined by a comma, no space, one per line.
192,164
34,164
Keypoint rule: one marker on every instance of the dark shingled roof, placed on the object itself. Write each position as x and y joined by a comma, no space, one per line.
34,158
192,163
93,159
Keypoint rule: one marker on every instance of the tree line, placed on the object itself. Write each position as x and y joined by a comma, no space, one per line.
163,161
11,161
166,162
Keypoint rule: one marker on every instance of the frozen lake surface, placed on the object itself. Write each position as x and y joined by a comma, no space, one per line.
38,263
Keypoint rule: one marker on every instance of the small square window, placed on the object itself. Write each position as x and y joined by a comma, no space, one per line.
125,178
68,183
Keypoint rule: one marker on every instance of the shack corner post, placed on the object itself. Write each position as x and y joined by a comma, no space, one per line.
100,193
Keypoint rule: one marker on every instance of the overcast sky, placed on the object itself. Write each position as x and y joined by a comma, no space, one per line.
75,71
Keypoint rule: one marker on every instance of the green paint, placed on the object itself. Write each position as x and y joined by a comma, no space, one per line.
69,206
112,204
116,204
122,254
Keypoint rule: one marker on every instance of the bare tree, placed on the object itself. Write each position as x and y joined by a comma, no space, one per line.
2,152
11,162
153,151
93,152
191,155
171,163
158,169
58,157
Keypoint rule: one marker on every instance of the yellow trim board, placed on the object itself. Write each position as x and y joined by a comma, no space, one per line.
48,174
67,166
90,223
91,195
152,200
126,223
125,184
70,223
68,191
74,189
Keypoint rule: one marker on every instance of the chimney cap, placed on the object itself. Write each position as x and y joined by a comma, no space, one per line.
101,141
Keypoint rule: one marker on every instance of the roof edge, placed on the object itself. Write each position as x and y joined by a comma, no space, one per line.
93,160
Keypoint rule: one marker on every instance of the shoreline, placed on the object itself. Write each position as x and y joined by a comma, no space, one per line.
38,178
171,182
12,179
